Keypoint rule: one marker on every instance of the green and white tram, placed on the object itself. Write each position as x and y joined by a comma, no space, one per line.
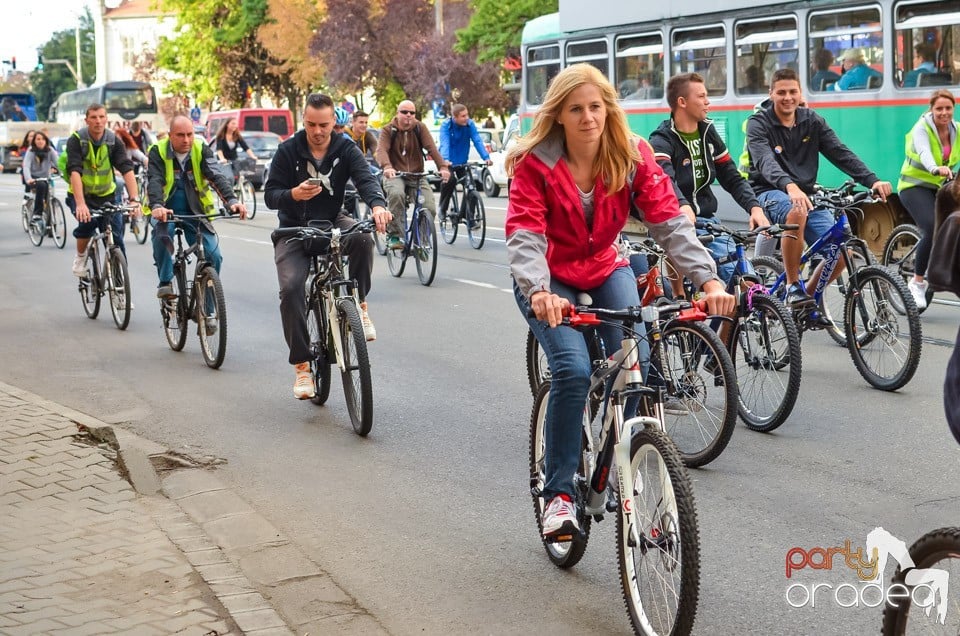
737,44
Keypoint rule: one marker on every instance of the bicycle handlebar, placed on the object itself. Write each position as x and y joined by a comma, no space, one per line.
110,209
412,175
842,197
716,229
303,232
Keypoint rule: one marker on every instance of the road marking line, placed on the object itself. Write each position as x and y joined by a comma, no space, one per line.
247,240
475,283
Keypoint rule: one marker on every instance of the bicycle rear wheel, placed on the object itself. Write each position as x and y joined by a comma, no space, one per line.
89,285
249,199
884,345
563,554
175,312
425,249
538,370
936,556
660,578
357,384
379,238
58,223
900,255
320,354
765,349
140,227
476,221
701,390
119,288
211,317
450,222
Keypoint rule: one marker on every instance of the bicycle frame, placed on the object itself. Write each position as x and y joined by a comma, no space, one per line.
413,227
181,258
327,284
104,236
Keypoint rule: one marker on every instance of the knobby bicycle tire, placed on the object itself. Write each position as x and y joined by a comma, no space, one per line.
765,349
175,311
666,518
538,371
425,249
450,223
209,297
89,285
320,354
563,554
936,550
476,221
701,410
357,383
871,335
118,278
58,223
900,255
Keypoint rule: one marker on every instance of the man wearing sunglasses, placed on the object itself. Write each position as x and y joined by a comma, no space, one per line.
401,147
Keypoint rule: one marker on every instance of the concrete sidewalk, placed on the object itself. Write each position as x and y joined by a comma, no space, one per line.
82,552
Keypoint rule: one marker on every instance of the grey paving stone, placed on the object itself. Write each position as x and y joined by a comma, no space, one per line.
258,619
206,506
242,531
183,483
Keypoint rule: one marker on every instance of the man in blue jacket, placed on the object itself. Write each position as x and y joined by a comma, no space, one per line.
692,153
455,136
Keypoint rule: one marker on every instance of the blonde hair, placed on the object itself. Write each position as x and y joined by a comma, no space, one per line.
617,154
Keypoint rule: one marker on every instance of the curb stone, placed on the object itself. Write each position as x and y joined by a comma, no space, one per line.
263,581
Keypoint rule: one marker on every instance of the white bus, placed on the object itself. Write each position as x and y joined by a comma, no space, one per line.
124,101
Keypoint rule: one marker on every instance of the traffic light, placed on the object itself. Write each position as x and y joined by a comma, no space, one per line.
39,61
13,62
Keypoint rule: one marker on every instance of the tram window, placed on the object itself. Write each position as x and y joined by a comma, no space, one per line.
927,39
854,40
593,52
762,47
543,63
639,66
702,50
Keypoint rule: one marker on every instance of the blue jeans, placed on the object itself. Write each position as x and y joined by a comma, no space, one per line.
164,260
777,205
569,360
721,247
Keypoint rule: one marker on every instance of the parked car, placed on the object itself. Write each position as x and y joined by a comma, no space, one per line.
494,177
491,143
264,145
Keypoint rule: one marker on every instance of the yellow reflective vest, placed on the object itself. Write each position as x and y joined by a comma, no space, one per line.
97,172
913,173
196,158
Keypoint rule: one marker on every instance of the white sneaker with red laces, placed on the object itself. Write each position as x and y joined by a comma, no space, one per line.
560,517
303,388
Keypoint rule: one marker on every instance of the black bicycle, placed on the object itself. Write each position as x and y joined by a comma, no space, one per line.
140,222
106,274
333,319
900,255
465,207
51,222
198,298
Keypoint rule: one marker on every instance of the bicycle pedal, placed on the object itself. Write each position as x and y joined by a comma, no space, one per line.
560,538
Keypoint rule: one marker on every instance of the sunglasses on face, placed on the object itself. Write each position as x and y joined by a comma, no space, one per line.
407,112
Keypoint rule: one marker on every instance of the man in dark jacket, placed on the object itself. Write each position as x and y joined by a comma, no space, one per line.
308,175
691,152
785,142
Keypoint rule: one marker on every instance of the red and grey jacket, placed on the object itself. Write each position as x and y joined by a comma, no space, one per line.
547,232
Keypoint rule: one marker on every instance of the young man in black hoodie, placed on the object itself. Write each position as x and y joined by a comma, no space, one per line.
319,153
692,153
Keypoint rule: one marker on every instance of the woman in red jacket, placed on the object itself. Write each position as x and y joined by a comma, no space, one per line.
574,175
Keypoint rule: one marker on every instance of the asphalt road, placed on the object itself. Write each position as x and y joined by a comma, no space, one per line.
428,522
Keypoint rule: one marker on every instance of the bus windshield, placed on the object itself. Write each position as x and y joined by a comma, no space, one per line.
141,99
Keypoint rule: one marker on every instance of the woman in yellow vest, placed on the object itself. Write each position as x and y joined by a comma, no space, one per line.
932,157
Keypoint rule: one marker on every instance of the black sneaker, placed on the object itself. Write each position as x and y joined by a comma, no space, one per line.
797,296
817,320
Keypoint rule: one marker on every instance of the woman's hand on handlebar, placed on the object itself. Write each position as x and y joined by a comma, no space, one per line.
719,302
548,307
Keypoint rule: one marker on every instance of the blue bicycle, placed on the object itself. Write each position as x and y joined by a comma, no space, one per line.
883,342
420,237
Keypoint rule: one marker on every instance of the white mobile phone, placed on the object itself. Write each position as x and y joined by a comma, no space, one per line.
317,181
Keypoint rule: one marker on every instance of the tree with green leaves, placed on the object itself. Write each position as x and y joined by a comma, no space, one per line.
496,26
54,78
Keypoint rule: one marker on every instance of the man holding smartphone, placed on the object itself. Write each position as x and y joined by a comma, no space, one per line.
308,175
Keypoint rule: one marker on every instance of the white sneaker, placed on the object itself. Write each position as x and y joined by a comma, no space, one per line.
303,386
560,517
80,265
369,331
919,292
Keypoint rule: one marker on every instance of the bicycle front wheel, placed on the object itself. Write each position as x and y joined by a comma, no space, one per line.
425,249
90,283
538,370
900,255
450,222
357,384
700,412
174,312
249,199
37,228
660,577
936,556
563,554
140,226
476,221
212,317
884,345
58,223
765,349
397,258
119,288
320,360
26,211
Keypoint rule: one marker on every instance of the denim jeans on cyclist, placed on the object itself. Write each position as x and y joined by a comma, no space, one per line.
396,191
89,228
163,259
293,267
776,204
720,247
569,360
447,188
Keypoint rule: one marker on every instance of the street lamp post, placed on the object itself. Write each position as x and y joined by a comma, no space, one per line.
76,76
